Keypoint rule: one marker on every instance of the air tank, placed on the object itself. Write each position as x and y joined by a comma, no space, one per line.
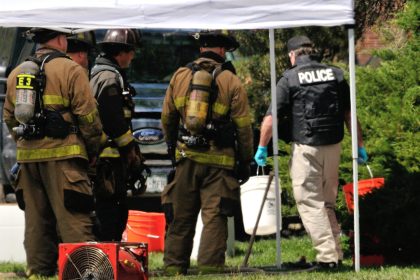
197,106
26,91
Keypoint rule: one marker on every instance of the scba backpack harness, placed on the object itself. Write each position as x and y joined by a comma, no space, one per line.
36,122
199,127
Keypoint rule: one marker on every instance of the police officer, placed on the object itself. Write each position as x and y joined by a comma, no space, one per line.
81,46
54,148
316,98
115,105
204,177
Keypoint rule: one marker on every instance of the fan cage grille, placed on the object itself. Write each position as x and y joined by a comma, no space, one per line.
87,263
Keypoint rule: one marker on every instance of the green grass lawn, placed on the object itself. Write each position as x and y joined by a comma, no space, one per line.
264,254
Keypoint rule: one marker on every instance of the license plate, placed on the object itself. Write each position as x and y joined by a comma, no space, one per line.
156,183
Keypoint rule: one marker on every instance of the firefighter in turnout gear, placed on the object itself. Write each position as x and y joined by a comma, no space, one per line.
206,118
316,98
52,115
120,152
81,47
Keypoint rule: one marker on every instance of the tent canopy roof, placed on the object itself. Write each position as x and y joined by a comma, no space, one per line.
184,14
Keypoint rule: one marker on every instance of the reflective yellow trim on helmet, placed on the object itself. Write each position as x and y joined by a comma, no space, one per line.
52,99
36,154
89,118
124,139
180,102
242,122
220,160
220,108
110,152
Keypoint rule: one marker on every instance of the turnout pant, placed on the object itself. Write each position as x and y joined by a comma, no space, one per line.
57,196
111,198
197,186
314,173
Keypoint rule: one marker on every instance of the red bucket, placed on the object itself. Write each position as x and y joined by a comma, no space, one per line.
147,227
365,186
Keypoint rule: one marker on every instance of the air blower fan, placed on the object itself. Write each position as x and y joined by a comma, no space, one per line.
103,261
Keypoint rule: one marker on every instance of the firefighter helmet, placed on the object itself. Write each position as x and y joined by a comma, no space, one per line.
121,37
213,38
84,41
43,35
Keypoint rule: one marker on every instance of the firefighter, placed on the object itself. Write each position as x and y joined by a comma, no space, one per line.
57,128
81,47
115,105
206,117
316,97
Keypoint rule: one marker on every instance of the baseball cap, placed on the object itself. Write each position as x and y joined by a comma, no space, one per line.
297,42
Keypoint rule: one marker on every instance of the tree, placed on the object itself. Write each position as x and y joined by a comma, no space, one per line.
388,99
388,102
332,43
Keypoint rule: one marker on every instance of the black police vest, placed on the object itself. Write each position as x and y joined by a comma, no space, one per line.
317,109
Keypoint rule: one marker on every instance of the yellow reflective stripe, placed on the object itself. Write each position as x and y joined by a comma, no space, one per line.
124,139
52,99
89,118
127,113
242,122
104,138
180,102
24,81
220,108
26,75
164,119
33,154
220,160
110,152
24,87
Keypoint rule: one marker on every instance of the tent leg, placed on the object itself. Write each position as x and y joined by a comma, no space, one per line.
275,145
352,69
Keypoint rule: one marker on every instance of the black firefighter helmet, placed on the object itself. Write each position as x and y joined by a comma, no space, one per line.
43,35
81,42
213,38
120,39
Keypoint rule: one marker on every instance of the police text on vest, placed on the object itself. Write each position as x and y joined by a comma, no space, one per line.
316,76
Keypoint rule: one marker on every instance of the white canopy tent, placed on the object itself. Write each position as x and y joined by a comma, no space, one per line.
201,14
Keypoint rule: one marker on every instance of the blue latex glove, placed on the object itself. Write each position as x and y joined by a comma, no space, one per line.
261,156
363,157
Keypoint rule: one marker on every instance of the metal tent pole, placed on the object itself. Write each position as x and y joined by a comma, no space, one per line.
275,145
354,149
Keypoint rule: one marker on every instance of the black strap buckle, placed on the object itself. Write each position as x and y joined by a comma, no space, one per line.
73,129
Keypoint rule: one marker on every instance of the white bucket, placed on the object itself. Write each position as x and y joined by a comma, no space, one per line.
230,242
252,193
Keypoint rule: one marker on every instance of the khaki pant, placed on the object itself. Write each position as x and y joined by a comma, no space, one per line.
50,189
197,186
314,173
